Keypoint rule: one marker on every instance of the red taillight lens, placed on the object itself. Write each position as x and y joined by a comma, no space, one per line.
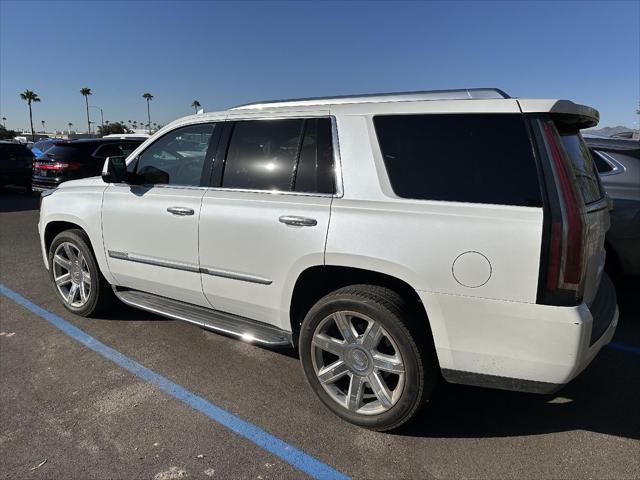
57,165
571,248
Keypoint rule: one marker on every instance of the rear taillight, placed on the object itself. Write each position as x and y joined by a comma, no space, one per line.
57,165
565,257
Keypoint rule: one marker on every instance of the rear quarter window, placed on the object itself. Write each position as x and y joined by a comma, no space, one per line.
583,165
477,158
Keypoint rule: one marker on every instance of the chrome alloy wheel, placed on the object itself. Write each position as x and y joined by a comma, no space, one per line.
357,363
71,274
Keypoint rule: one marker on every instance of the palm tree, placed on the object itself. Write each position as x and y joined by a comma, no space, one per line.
30,97
43,129
85,92
196,105
4,122
70,125
148,97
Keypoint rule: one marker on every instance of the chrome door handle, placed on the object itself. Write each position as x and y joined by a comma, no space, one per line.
298,221
180,211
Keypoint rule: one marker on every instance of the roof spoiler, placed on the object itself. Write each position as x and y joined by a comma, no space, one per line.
563,111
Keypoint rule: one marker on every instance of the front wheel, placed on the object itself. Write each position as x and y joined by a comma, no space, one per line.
365,358
75,275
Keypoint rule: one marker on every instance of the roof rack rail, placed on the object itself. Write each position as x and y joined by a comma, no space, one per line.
458,94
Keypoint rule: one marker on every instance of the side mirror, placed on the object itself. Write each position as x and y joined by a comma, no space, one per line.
114,170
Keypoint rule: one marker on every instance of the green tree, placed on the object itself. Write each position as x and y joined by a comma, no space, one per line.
30,97
196,105
148,97
6,134
85,92
113,128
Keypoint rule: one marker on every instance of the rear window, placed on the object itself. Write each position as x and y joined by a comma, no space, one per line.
478,158
582,165
76,152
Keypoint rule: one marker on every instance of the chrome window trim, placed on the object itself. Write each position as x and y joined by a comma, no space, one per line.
216,272
160,185
337,160
616,166
271,192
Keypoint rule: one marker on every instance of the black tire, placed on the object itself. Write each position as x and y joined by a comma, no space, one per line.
101,295
408,331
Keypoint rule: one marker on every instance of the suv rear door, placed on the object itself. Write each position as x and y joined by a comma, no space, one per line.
265,219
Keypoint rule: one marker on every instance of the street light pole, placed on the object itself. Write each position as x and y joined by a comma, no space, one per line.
101,115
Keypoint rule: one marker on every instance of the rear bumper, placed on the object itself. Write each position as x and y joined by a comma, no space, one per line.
40,184
516,346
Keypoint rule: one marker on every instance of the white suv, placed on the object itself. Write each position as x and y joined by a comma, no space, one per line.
393,239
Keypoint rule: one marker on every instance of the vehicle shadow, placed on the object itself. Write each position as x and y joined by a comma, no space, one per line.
16,199
605,398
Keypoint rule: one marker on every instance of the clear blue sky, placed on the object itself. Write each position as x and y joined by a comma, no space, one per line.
228,53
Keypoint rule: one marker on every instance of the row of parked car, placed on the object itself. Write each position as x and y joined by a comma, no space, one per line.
50,162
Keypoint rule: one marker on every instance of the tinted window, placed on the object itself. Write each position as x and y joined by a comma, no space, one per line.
176,158
601,164
582,165
78,152
262,154
115,149
484,158
315,172
15,150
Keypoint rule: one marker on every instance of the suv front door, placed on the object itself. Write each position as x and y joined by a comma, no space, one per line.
150,230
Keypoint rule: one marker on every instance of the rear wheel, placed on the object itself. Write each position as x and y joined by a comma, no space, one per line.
364,357
75,275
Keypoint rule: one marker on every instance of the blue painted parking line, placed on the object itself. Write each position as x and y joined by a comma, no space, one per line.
624,348
288,453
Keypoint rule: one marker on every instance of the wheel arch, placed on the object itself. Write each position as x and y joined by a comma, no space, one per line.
316,281
56,225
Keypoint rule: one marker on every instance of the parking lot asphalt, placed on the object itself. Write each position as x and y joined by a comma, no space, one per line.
90,418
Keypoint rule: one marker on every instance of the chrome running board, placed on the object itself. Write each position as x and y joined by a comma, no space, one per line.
242,328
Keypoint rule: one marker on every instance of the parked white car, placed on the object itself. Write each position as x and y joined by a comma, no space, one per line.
393,239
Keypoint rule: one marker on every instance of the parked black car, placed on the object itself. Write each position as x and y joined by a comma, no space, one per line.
618,163
15,164
71,159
